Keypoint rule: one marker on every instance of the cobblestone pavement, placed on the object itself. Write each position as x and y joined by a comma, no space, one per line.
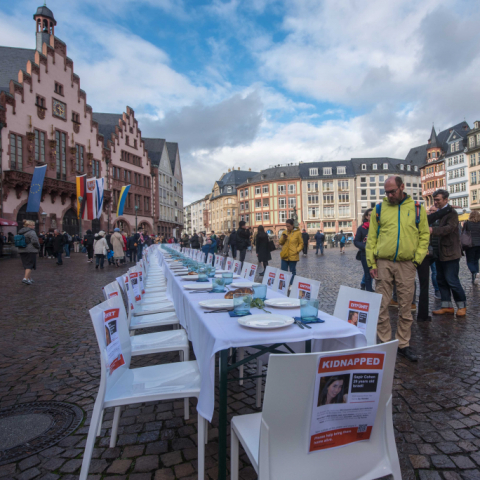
48,352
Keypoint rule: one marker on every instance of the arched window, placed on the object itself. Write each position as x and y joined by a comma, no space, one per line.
70,222
23,215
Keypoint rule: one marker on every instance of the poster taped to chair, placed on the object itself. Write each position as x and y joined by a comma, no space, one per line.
114,348
135,286
358,314
347,391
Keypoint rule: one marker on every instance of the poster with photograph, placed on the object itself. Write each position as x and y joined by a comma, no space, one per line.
209,258
282,282
358,314
271,279
114,348
304,291
237,267
135,286
140,278
229,263
251,273
113,294
345,403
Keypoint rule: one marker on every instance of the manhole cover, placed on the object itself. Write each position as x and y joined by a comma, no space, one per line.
29,428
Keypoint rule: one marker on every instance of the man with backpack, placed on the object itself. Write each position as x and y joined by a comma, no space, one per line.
343,241
394,255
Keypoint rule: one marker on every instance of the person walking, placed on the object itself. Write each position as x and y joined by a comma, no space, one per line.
108,238
449,253
261,248
117,244
100,249
319,240
140,241
58,244
360,242
336,239
88,240
343,241
28,255
49,245
305,238
41,241
292,245
472,253
226,244
233,243
66,247
195,241
396,245
76,243
132,248
242,240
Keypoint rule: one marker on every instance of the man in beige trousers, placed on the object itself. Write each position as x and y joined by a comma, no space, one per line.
397,243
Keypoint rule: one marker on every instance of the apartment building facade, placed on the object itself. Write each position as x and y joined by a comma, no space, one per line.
473,155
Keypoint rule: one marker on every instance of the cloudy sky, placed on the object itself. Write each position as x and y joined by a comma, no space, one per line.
252,83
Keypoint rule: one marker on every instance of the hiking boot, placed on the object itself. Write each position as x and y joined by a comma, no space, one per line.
461,312
444,311
393,303
407,352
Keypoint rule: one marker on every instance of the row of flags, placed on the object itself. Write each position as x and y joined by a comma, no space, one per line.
90,190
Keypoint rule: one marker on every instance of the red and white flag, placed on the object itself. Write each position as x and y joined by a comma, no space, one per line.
90,212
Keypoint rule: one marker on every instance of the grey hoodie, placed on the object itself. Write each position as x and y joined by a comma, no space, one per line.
31,239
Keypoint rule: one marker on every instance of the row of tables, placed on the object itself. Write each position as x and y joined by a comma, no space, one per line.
218,332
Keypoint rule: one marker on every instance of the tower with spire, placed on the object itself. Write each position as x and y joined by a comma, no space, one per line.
434,149
45,23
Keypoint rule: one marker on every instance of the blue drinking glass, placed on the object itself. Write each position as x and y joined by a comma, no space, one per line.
260,291
309,310
241,303
218,284
228,277
211,273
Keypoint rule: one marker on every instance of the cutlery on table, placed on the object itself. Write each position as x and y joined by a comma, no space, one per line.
305,325
299,324
221,310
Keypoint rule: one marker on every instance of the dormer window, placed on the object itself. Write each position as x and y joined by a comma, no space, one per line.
282,174
327,170
401,166
385,166
374,166
408,168
58,88
313,172
364,166
229,189
415,168
263,177
341,170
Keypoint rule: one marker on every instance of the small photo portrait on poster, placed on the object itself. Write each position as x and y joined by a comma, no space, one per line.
108,337
270,281
252,272
353,317
303,295
281,284
333,389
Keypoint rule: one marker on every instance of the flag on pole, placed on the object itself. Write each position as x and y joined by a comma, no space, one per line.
100,188
122,199
81,192
91,207
36,187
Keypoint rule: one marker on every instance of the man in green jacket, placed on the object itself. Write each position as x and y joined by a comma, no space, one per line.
397,243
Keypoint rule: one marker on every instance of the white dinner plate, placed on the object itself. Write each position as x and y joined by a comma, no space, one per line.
217,303
198,286
220,275
222,271
265,321
243,284
189,277
283,302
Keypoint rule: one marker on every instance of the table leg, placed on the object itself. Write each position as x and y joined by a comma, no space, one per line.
222,421
308,346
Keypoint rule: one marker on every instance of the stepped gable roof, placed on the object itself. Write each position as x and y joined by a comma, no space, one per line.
11,61
275,173
155,149
393,165
418,155
106,124
305,169
172,149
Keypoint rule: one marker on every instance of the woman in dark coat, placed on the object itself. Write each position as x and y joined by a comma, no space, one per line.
360,242
261,248
472,253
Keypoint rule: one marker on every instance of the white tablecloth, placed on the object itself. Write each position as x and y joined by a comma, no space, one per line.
211,333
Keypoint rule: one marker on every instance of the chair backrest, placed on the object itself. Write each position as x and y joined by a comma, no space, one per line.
291,400
137,268
360,308
229,264
249,270
237,267
269,276
209,259
282,282
113,332
112,290
219,261
304,288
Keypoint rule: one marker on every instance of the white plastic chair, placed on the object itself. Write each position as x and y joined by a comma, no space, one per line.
229,264
270,276
249,271
236,267
303,287
125,386
276,440
282,282
351,299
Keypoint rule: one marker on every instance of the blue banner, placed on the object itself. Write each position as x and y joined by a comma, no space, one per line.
36,187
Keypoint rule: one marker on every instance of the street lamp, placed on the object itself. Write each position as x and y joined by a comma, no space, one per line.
80,200
136,210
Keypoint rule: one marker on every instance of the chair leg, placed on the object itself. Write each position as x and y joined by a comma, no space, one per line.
92,434
241,356
181,355
116,421
259,384
201,448
206,432
186,405
100,424
234,456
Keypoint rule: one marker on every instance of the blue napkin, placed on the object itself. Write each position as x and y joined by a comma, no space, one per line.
211,291
317,320
202,281
233,314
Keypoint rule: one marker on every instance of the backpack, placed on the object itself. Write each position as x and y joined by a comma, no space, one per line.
342,240
69,237
378,211
20,241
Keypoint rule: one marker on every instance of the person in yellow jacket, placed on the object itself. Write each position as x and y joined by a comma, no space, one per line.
397,243
292,245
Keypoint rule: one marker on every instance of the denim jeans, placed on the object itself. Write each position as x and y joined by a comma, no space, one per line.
433,268
59,258
473,255
366,275
99,259
292,266
132,253
319,246
66,247
139,251
449,283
